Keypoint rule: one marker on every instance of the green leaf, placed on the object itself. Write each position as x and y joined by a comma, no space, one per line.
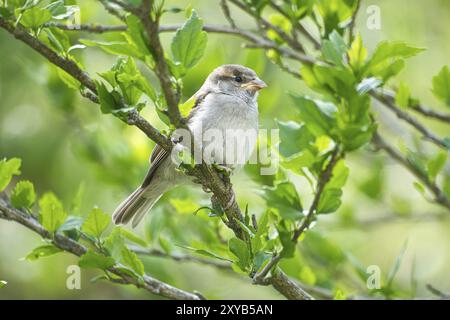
23,195
131,236
3,283
113,47
94,260
130,259
68,80
42,251
284,197
441,85
72,223
318,116
189,42
330,199
287,243
398,260
357,54
109,101
436,164
294,138
165,245
96,223
135,34
240,250
387,59
52,214
402,97
206,253
35,17
8,168
334,49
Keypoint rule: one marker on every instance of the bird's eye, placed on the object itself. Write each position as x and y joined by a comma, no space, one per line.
238,79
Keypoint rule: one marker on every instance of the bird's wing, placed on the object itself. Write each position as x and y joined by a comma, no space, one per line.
159,154
199,97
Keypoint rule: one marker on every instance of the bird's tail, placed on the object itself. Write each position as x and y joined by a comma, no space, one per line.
136,206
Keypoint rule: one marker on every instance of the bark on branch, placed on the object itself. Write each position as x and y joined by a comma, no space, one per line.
150,284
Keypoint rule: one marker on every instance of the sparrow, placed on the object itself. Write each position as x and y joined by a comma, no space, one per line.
225,103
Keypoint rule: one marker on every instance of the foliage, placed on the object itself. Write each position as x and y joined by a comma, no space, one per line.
335,119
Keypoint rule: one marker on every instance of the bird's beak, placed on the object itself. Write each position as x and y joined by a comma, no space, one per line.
255,85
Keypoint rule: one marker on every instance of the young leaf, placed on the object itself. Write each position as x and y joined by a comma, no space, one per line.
96,223
318,116
35,17
240,250
357,54
393,271
109,101
3,283
130,259
8,168
94,260
387,59
52,214
23,195
134,237
284,197
441,85
42,251
189,42
114,47
403,96
294,138
205,253
436,164
334,49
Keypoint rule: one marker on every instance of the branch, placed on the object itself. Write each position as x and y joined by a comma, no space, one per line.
439,195
72,68
226,13
297,24
67,244
112,9
420,108
181,257
323,180
91,27
351,27
389,102
267,25
437,292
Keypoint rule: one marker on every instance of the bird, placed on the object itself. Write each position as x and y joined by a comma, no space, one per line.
226,102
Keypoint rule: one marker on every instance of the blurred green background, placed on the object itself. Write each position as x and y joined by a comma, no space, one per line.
68,147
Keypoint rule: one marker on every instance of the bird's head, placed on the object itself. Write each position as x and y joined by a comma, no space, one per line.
236,80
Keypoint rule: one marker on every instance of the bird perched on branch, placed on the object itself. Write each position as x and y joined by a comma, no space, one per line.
224,125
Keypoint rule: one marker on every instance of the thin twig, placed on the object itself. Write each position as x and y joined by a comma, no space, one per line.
439,195
389,102
227,13
420,108
266,24
112,9
91,27
351,27
437,292
72,68
321,184
297,24
67,244
181,257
